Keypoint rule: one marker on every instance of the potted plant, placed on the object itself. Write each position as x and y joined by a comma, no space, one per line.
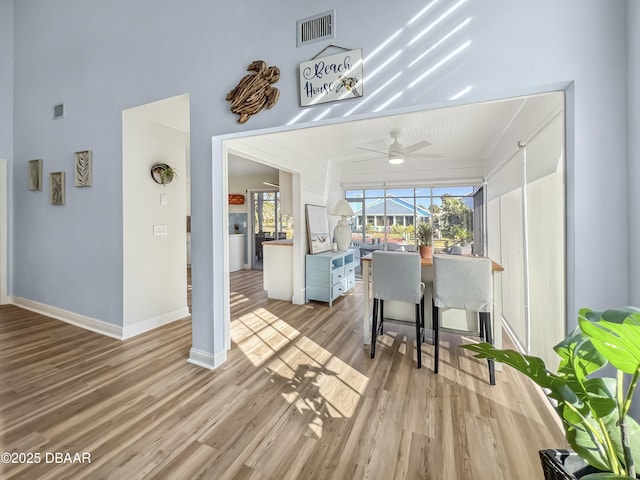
424,234
594,410
163,173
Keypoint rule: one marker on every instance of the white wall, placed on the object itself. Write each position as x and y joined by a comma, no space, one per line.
101,58
526,236
546,240
155,267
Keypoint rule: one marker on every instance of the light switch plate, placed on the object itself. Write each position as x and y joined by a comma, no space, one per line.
159,230
164,199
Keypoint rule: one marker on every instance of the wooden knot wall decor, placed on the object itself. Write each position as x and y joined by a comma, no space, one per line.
254,91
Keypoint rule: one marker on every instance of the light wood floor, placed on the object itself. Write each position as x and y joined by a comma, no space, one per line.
299,398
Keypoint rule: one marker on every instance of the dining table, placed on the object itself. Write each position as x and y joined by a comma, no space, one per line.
427,278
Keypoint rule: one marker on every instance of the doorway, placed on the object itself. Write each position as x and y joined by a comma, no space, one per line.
155,292
322,179
267,222
264,222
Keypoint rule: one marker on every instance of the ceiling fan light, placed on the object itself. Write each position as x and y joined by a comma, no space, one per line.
396,159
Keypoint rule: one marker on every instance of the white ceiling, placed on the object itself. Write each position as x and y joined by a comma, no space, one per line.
464,137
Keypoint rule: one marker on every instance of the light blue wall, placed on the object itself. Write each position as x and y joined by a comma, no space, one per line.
633,158
6,110
633,154
102,57
6,79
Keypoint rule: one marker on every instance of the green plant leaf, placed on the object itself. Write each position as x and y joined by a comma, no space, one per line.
633,434
618,315
619,343
604,476
533,367
582,441
578,356
586,404
599,394
584,445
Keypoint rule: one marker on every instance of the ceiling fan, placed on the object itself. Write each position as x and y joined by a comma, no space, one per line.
397,153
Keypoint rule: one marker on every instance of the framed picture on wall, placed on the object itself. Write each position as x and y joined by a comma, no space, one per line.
83,168
318,229
56,186
35,174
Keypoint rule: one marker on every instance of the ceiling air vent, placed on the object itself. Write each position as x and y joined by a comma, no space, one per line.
58,111
316,28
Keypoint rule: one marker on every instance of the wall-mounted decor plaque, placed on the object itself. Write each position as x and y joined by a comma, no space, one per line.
331,78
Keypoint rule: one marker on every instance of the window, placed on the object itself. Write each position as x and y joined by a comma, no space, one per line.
384,216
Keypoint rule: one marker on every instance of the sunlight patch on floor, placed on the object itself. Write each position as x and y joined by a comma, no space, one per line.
319,382
260,334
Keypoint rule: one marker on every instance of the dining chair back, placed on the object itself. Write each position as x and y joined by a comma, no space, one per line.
464,283
396,276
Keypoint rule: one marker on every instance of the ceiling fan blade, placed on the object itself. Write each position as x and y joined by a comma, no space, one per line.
426,155
372,158
374,151
415,147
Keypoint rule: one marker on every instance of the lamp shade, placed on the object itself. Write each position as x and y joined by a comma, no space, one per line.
342,209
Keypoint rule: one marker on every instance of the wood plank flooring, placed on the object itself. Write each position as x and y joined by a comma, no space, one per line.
299,398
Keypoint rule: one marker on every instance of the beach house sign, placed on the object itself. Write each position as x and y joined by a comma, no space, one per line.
331,78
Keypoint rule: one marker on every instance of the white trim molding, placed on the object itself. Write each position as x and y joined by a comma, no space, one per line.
143,326
88,323
205,359
4,256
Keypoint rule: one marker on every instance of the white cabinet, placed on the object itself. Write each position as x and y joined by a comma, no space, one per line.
329,275
236,252
277,269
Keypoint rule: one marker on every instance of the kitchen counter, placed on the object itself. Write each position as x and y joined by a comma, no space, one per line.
278,243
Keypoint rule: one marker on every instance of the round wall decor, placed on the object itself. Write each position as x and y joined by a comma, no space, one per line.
162,173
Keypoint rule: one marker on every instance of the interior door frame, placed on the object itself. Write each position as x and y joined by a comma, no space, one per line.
4,257
250,227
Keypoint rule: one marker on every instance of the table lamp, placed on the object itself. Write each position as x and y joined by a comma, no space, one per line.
342,232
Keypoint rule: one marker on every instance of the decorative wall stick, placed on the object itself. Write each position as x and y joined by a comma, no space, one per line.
254,92
83,168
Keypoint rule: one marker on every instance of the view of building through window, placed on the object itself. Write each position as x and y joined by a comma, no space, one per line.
389,216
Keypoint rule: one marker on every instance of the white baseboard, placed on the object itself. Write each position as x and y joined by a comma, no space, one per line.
205,359
99,326
149,324
81,321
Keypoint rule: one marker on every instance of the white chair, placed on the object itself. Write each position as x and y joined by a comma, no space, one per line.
396,276
464,283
